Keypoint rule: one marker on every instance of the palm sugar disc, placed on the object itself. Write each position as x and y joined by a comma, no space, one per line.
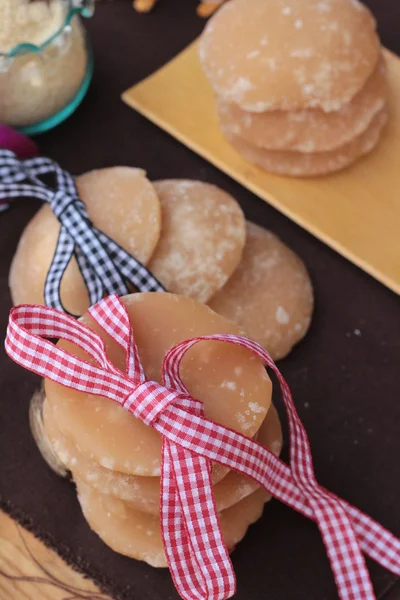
310,130
228,379
142,493
270,295
330,49
120,201
202,238
298,164
138,535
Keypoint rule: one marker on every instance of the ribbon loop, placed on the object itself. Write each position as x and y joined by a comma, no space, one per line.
193,542
105,266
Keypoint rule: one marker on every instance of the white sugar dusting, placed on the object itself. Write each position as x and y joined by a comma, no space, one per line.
297,117
357,5
308,89
298,24
243,422
281,316
241,85
248,120
302,53
286,10
347,37
323,7
229,385
107,462
253,54
308,146
256,408
276,447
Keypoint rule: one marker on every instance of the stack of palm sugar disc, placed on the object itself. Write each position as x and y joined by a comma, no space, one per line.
194,238
300,85
115,459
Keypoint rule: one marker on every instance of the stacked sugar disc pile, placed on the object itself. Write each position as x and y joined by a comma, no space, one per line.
115,460
194,238
300,85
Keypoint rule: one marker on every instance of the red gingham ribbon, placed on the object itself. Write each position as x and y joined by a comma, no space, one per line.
198,559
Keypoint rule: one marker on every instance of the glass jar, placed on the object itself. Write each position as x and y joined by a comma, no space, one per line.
41,84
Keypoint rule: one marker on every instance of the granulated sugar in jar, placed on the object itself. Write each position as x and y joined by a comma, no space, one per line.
45,63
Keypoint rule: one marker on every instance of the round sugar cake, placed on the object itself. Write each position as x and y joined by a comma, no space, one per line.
310,130
228,379
289,54
120,201
300,164
129,532
138,535
202,238
270,294
141,493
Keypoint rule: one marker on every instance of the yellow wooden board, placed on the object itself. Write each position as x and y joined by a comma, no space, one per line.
31,571
356,212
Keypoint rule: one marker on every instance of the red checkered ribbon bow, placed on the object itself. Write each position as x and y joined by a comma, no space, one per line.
197,556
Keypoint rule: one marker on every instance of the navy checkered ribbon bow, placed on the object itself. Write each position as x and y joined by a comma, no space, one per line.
106,267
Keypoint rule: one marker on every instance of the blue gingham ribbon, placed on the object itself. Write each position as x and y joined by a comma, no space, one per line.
106,267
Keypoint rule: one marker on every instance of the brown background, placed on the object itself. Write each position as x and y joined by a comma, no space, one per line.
345,385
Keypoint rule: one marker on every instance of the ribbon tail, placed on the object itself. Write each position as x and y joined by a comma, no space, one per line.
182,563
194,486
274,475
347,562
376,542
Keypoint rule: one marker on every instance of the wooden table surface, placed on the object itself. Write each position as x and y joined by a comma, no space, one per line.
31,571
